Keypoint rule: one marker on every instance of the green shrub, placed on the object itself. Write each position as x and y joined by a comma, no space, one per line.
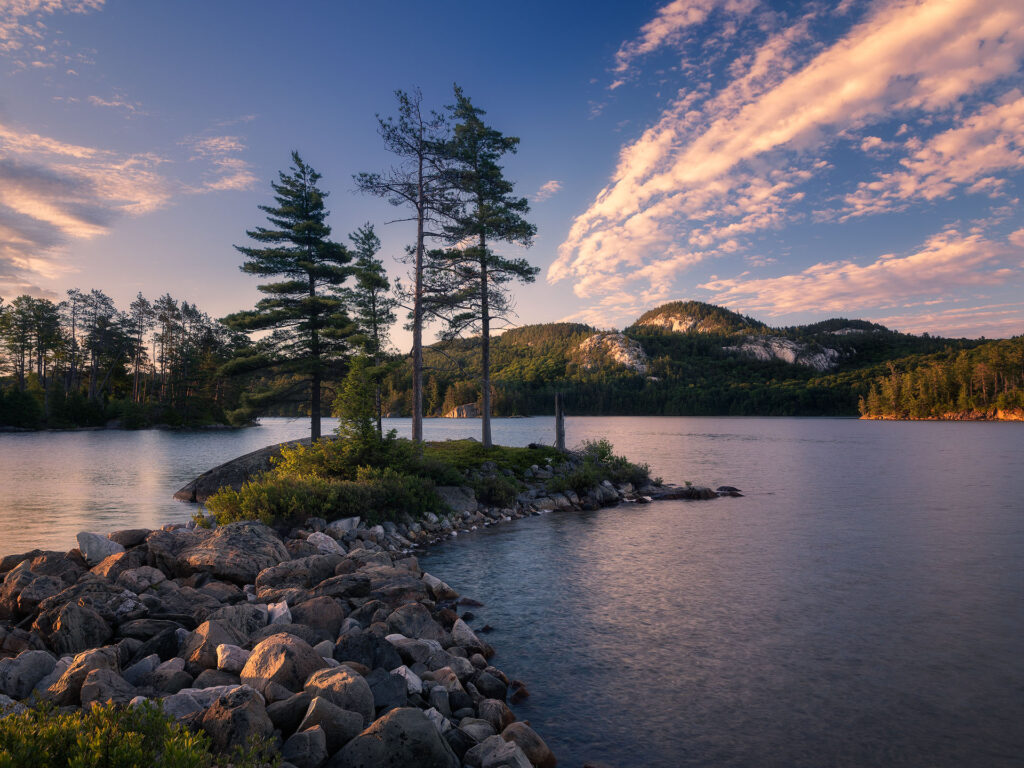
108,736
496,490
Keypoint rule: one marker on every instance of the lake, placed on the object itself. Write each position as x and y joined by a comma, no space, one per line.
863,604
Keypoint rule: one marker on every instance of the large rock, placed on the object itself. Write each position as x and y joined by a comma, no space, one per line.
200,650
95,547
39,589
340,725
438,588
18,676
103,685
343,688
78,629
401,738
367,649
302,572
247,618
338,528
282,659
233,473
414,620
321,613
533,746
464,636
67,689
236,552
325,544
165,547
235,718
306,749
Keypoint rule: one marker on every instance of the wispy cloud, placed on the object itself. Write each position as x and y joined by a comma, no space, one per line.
725,162
24,34
547,189
948,259
117,101
227,171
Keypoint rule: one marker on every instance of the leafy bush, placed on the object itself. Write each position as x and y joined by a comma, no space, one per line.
496,490
113,737
376,495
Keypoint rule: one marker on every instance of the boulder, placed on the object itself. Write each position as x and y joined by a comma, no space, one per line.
322,613
439,589
496,713
164,549
286,714
367,649
495,752
414,620
533,746
141,669
283,659
413,682
302,572
248,618
215,678
403,737
479,730
324,544
388,688
236,552
338,528
490,686
18,676
78,629
463,636
306,749
37,590
279,613
340,725
130,537
138,580
67,688
231,658
344,688
235,718
95,547
103,685
200,650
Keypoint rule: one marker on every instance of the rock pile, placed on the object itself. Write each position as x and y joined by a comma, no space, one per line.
329,640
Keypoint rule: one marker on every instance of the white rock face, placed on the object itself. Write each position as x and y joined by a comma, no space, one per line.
677,323
787,350
616,346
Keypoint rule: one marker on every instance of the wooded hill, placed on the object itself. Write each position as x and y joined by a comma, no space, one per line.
684,359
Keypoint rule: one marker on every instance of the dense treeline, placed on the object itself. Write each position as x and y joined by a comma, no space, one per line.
689,374
84,362
976,383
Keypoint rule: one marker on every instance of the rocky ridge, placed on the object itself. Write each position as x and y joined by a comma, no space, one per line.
787,350
327,639
614,346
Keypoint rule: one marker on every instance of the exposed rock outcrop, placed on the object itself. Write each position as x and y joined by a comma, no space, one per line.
616,347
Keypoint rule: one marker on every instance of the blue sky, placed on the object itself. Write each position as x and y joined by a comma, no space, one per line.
789,160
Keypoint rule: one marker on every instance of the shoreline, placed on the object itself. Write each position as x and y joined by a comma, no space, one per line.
195,617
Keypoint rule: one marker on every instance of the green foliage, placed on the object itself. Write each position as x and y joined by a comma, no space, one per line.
20,409
971,383
354,406
496,490
466,455
108,736
375,494
599,463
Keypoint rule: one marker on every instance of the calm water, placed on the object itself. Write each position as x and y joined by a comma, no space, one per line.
863,605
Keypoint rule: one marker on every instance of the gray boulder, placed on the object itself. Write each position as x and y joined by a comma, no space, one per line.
533,746
68,687
78,629
496,713
95,547
236,552
235,718
103,685
200,651
414,620
344,688
18,676
340,725
306,749
401,738
283,659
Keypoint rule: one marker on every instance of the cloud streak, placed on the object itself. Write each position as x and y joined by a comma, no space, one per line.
723,164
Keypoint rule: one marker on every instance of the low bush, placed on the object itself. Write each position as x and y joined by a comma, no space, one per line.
108,736
496,490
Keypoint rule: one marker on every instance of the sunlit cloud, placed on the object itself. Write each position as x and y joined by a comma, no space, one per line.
947,261
724,163
547,189
23,31
228,172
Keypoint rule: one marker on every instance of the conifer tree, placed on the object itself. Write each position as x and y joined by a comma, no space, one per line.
304,308
420,181
373,308
470,281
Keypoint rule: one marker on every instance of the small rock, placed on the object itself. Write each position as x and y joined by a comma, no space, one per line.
325,544
306,749
231,658
279,613
95,548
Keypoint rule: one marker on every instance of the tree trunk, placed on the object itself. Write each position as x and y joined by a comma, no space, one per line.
417,320
485,350
314,399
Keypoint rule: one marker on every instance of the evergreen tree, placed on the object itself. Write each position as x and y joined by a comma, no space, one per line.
471,282
304,308
422,183
373,308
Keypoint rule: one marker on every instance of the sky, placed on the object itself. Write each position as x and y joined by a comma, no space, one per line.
789,160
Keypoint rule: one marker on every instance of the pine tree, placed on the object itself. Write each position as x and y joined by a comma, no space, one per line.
470,282
373,308
305,308
421,182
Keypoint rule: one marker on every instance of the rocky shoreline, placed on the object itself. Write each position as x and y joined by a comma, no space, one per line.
328,640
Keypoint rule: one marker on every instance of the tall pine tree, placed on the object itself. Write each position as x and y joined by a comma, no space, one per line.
304,308
470,281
